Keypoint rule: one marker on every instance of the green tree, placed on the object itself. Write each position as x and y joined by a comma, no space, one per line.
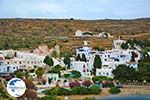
125,73
21,73
124,46
144,69
40,72
49,61
67,61
97,63
99,78
131,42
56,69
54,54
114,90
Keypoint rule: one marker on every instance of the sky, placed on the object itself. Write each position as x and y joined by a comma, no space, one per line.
78,9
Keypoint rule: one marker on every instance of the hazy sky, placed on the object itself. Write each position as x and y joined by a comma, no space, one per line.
79,9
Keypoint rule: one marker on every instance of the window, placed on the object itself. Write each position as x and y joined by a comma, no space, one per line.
83,66
54,78
107,74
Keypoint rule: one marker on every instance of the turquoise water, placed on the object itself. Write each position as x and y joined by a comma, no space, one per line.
136,97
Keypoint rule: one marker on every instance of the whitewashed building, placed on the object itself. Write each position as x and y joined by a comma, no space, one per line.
8,68
78,33
104,35
117,43
87,51
51,78
26,60
110,58
82,67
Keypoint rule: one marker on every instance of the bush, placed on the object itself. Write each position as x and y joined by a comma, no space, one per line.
74,84
63,91
58,91
99,78
114,90
66,75
53,91
95,89
108,83
87,83
80,90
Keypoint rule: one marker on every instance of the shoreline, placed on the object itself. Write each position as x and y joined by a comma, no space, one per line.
127,90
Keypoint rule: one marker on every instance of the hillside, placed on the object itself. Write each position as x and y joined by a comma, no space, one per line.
29,33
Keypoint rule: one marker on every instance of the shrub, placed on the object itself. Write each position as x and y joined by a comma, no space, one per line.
99,78
95,89
80,90
53,91
108,83
87,83
66,75
74,84
63,91
114,90
31,95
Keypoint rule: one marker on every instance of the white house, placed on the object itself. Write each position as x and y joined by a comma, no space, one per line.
117,43
8,53
110,58
51,78
87,51
29,60
8,68
78,33
82,67
104,72
104,35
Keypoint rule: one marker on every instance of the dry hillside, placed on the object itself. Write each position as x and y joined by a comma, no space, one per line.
29,33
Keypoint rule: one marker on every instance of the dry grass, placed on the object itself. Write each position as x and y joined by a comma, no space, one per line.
35,30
